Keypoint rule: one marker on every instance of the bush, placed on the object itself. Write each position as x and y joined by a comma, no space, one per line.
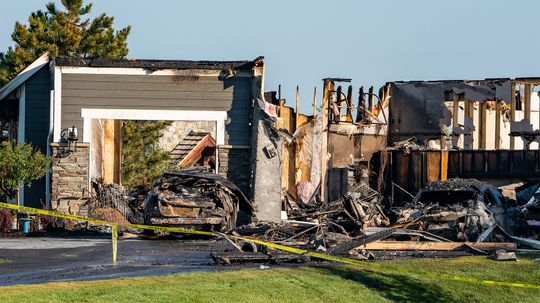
20,163
6,220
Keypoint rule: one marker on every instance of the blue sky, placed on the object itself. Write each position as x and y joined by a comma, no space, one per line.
304,41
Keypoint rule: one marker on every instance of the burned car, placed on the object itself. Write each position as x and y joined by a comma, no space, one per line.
198,199
458,209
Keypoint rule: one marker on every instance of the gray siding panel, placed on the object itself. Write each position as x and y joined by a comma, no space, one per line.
160,93
37,90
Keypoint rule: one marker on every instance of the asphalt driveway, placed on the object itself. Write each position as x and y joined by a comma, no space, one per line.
51,259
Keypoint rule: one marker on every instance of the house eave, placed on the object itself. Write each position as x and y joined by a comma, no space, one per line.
24,75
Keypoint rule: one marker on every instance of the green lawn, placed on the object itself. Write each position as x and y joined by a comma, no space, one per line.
306,284
3,261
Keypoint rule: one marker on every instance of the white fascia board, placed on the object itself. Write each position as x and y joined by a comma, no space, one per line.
22,114
21,132
24,75
57,108
131,71
49,152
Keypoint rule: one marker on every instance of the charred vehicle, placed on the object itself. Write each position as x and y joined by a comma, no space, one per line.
458,209
198,199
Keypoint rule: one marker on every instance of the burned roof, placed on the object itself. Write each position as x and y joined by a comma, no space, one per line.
453,81
155,64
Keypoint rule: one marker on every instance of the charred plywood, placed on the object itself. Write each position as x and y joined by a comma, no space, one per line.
418,109
411,171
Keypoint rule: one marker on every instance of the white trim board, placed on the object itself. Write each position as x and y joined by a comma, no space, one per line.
145,114
21,129
57,108
49,152
135,71
155,115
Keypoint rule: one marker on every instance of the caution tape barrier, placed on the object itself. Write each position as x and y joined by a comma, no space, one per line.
382,267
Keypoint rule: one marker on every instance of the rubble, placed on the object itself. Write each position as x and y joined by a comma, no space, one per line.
196,198
114,196
503,255
457,209
406,146
231,257
446,219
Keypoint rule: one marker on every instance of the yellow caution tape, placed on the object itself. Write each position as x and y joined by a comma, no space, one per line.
322,256
51,213
114,235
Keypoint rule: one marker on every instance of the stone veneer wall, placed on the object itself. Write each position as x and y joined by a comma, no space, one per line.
178,130
234,164
69,180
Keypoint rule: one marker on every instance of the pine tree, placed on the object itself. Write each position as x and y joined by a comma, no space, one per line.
143,161
62,33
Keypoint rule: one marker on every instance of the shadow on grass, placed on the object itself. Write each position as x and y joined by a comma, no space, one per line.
395,287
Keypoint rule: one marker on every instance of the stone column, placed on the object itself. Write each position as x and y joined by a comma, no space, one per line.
69,179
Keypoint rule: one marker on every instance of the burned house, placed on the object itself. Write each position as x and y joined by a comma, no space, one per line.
484,129
72,109
406,135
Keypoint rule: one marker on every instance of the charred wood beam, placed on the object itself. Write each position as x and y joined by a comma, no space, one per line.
370,99
436,246
361,105
348,117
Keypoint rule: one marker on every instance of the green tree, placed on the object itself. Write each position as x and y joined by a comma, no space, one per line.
143,161
20,163
62,33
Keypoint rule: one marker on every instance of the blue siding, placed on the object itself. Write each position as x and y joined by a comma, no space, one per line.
37,117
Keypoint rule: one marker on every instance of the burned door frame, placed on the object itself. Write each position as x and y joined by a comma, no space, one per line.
89,114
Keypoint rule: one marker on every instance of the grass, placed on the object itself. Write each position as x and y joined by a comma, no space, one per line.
3,261
305,284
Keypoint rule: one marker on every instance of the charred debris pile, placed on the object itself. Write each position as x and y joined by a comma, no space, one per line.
190,198
449,218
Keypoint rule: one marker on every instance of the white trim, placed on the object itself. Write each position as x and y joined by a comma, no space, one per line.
156,115
133,71
21,132
49,152
24,75
57,124
22,113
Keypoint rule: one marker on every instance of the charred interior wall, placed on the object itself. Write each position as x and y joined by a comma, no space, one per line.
346,148
69,187
417,109
343,149
178,130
